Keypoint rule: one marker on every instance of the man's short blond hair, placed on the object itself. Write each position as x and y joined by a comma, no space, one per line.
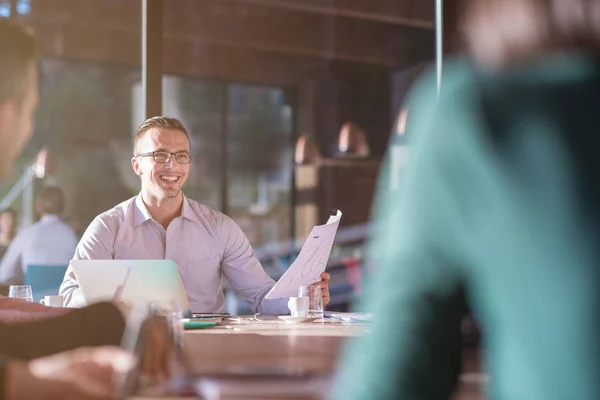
159,123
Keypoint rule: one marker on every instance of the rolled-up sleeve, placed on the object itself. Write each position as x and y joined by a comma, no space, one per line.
245,273
97,243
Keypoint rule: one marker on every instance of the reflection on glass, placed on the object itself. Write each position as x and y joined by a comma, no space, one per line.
260,162
198,105
84,117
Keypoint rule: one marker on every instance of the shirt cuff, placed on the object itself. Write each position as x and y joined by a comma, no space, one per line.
274,306
75,299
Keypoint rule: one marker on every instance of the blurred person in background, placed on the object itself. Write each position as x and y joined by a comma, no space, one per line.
85,373
499,201
8,228
50,241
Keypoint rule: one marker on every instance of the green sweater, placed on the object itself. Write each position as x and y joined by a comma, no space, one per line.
500,201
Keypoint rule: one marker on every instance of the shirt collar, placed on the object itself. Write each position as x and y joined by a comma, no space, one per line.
188,212
142,214
49,218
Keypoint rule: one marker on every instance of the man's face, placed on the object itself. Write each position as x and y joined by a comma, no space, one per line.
16,123
161,180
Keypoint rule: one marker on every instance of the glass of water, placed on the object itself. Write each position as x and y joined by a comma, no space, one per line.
22,292
315,299
172,315
303,291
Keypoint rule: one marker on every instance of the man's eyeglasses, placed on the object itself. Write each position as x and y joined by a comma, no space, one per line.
182,157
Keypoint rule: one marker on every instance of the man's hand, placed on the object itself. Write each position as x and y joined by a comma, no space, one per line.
85,373
324,283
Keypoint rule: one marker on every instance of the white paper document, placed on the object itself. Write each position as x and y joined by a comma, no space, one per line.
311,261
356,317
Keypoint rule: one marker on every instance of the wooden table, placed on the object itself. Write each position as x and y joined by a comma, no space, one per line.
272,345
311,348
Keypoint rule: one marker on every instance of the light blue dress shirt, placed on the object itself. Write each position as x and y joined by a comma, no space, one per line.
50,241
204,243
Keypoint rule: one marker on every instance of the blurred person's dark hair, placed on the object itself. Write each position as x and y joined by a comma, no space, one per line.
503,33
159,123
19,49
51,200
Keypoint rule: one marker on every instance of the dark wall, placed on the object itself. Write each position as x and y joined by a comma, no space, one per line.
353,92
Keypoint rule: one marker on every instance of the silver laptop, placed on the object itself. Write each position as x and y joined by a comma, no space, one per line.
131,281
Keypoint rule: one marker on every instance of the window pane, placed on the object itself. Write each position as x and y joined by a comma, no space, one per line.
198,105
90,65
84,116
259,162
338,64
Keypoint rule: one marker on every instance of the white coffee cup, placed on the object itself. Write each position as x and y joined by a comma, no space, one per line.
298,306
52,301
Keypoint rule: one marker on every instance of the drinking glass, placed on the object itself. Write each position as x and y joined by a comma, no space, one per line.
315,307
303,291
21,292
315,296
173,316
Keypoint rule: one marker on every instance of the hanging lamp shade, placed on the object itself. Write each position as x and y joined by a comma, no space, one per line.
401,122
306,152
45,164
352,141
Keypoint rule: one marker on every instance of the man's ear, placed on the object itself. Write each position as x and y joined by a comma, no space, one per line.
136,166
7,114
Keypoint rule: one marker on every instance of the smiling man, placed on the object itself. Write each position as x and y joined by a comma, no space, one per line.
161,223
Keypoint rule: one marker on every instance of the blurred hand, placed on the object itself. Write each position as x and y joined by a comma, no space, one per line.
157,344
158,348
85,373
324,283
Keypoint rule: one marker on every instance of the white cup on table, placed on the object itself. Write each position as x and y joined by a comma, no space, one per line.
298,306
52,301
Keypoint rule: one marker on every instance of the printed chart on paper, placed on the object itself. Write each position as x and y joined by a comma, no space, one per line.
311,261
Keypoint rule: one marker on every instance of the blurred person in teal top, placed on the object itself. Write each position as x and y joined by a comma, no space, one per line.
499,204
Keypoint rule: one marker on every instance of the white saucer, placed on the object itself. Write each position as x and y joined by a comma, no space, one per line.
295,320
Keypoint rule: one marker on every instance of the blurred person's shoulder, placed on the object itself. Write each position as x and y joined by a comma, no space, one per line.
458,74
459,81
